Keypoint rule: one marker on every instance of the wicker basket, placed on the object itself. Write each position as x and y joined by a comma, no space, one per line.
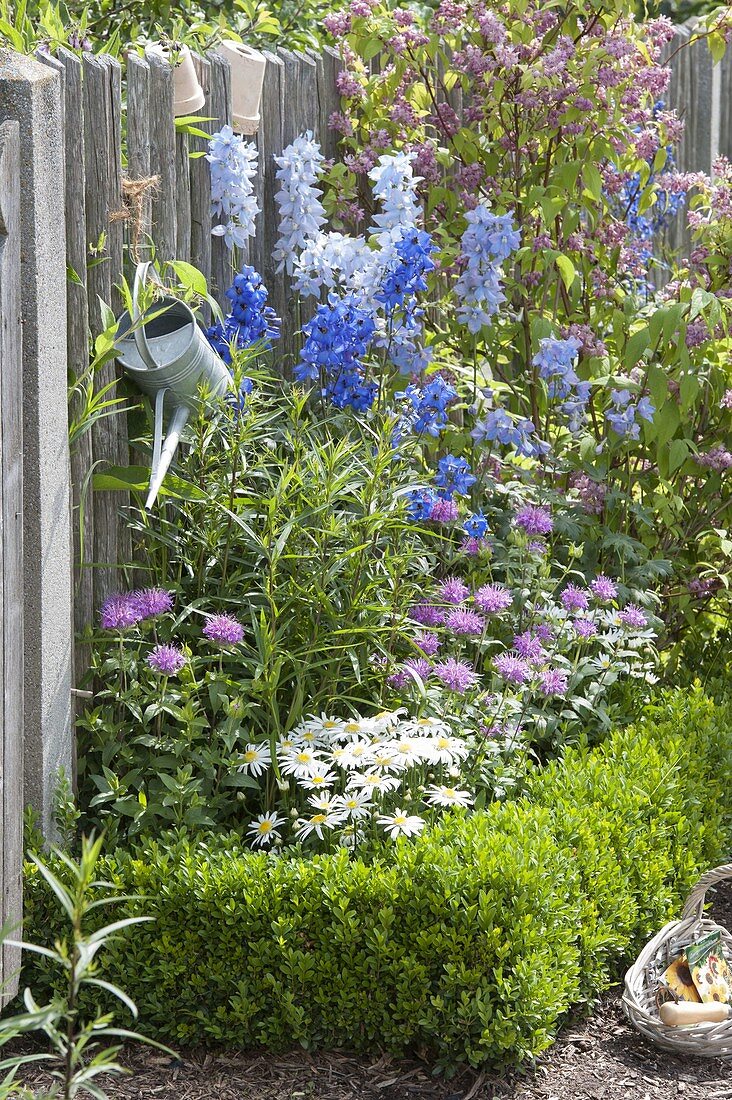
640,998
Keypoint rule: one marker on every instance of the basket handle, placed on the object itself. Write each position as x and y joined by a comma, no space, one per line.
695,902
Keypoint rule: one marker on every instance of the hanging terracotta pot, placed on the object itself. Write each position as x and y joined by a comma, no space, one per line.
188,95
247,77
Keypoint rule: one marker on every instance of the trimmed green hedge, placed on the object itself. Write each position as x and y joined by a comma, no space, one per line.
467,943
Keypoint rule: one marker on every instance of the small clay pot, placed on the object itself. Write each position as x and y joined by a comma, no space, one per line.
247,76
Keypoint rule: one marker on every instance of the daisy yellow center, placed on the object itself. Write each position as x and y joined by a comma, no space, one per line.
442,742
352,804
265,827
318,780
449,792
400,819
318,819
250,755
359,750
329,725
373,780
304,757
404,746
352,727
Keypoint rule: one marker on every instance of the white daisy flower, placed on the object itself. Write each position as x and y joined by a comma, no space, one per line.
400,823
324,726
350,836
372,781
285,744
318,780
255,759
426,727
357,754
354,804
444,749
447,796
384,758
354,728
264,829
316,823
301,761
408,751
326,802
386,720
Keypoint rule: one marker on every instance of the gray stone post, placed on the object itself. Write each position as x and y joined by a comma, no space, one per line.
31,94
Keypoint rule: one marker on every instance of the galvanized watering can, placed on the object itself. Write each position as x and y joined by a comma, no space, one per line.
167,356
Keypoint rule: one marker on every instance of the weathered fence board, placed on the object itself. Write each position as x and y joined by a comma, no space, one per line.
162,157
200,179
220,103
138,155
11,556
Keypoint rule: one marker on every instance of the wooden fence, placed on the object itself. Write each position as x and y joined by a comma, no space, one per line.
119,127
11,555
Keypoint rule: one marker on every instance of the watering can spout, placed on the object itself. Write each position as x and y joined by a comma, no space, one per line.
163,453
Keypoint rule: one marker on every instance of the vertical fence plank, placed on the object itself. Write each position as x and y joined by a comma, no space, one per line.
138,152
11,556
220,109
77,346
182,198
329,65
270,144
200,180
102,107
725,105
162,157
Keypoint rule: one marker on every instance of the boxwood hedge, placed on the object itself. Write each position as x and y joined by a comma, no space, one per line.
467,943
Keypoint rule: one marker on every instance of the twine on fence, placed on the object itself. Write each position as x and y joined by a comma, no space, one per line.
134,193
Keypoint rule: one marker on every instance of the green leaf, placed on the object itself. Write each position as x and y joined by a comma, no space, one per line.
567,270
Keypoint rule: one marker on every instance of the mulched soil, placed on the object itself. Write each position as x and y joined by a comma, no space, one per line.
596,1058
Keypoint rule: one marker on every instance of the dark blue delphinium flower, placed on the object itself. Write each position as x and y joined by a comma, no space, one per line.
250,319
407,276
454,476
336,338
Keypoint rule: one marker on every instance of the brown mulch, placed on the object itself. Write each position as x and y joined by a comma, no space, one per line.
596,1058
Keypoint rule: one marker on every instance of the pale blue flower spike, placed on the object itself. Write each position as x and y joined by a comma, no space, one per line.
163,456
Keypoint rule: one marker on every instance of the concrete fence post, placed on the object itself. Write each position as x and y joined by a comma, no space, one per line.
30,93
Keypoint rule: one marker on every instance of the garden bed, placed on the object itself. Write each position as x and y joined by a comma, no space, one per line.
468,944
595,1058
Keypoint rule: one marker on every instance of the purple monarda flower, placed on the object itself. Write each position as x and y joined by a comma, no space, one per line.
428,643
529,646
465,622
544,632
534,520
167,659
633,616
456,675
536,546
584,628
512,669
574,598
492,598
604,589
223,629
473,546
444,511
420,665
453,590
152,601
426,614
553,682
120,611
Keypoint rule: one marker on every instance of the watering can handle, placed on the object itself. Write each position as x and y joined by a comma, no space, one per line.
143,348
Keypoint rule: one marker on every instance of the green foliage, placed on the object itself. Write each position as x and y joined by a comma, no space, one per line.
79,1050
469,942
106,27
302,536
